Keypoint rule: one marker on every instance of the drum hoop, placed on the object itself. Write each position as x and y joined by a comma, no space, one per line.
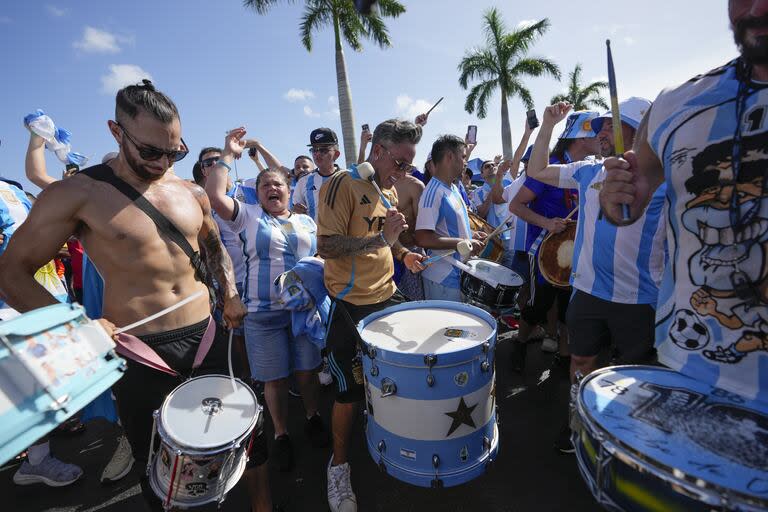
543,274
167,440
215,449
708,492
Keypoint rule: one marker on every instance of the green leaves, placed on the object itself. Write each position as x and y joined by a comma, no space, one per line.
583,97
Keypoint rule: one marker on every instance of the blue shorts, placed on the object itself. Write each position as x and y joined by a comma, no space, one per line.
273,352
437,291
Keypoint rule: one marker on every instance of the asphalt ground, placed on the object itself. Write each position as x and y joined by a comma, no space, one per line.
528,475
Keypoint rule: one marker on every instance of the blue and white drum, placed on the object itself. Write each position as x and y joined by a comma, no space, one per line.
430,391
652,439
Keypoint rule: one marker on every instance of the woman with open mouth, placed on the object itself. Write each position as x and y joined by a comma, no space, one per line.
274,239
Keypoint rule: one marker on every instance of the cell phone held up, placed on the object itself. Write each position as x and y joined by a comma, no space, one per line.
365,128
472,134
533,121
252,152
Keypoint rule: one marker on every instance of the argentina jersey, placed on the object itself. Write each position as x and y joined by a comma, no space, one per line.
307,191
712,321
497,213
14,207
616,264
271,246
442,210
245,192
520,231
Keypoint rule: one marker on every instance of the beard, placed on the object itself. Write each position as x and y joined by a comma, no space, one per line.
139,170
756,50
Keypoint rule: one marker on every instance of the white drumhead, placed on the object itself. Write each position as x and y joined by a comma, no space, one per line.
427,331
206,412
499,273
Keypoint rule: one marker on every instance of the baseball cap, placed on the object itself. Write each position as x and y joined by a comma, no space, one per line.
322,137
579,125
632,111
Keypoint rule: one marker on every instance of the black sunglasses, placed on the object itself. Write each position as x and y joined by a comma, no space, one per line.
208,162
151,153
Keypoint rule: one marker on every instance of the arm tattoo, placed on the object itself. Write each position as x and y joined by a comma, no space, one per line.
399,251
218,261
337,246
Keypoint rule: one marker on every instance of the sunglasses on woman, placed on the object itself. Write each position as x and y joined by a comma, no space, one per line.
151,153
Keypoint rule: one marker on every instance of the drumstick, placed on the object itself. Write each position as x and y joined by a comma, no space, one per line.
436,104
501,226
618,137
438,257
366,171
159,313
572,212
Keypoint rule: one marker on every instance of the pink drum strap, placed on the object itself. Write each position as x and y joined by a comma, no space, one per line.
136,350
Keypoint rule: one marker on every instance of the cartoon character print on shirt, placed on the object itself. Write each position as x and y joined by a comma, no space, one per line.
731,267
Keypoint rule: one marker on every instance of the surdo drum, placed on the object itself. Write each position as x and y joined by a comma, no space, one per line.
653,439
430,391
482,293
204,426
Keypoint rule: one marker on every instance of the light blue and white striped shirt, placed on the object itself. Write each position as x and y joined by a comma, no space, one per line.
712,319
520,231
442,210
616,264
271,246
307,191
497,213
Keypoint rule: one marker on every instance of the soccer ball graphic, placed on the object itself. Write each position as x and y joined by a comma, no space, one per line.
688,332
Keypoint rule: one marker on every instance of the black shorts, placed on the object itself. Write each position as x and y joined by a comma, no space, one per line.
142,390
543,296
343,346
595,323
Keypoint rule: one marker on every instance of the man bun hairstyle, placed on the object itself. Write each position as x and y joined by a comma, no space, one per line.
133,98
395,131
445,144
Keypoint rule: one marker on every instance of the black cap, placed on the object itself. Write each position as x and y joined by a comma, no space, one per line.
322,137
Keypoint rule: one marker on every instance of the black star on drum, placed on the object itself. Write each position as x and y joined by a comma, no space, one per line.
461,416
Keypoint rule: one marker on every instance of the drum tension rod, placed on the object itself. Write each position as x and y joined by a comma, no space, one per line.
485,365
430,360
436,482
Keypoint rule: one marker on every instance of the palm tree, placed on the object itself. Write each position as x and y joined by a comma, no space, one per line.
582,98
502,64
348,24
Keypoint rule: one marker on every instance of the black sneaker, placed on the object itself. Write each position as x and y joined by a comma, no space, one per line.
563,442
517,356
315,430
283,454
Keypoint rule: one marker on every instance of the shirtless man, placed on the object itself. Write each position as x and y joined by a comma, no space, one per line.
409,191
144,272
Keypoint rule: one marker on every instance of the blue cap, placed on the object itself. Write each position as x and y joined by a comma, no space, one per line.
632,111
527,155
579,125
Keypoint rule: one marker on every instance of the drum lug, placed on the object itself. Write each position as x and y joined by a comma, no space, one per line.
382,446
365,419
436,482
374,371
485,366
371,351
486,444
388,387
486,347
382,467
430,360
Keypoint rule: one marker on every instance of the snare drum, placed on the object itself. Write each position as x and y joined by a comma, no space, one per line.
483,294
204,427
53,362
653,439
430,391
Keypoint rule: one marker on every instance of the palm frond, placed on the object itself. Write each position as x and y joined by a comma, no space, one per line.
262,6
477,64
376,30
535,66
390,8
316,14
520,40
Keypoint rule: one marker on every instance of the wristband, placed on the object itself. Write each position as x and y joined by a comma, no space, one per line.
224,164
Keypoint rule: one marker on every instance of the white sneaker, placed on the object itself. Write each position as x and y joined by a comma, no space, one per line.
325,374
549,345
340,495
50,471
121,462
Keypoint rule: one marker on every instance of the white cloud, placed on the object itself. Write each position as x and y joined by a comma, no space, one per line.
56,12
331,100
295,95
526,23
99,41
4,19
309,112
409,108
121,75
629,40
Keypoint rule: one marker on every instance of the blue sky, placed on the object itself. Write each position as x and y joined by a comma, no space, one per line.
225,66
